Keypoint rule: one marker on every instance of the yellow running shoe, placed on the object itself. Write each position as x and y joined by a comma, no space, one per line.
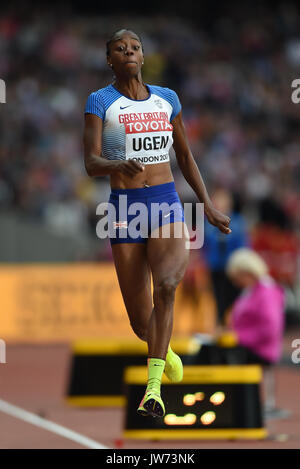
173,367
141,410
151,404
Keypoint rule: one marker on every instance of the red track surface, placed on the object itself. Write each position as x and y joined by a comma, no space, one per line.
35,378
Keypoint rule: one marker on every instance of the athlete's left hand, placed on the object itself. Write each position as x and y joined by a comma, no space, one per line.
218,219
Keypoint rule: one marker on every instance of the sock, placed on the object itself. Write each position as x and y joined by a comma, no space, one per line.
156,368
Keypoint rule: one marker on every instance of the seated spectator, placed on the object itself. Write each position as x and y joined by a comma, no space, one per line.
257,316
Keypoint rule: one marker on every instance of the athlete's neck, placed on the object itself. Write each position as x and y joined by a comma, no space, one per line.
132,87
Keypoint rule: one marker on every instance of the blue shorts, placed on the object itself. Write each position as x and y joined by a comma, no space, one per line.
132,218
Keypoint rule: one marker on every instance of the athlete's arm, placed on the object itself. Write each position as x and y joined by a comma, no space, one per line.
192,175
95,164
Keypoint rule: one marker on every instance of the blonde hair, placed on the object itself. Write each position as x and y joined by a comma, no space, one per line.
246,260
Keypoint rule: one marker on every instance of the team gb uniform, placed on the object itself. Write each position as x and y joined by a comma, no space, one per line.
139,130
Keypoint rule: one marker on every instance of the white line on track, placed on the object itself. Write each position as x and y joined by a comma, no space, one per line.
29,417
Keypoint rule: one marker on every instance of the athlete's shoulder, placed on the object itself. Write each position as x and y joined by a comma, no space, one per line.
100,100
107,95
163,91
108,90
169,95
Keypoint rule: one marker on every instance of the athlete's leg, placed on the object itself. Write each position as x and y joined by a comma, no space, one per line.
168,258
134,277
134,273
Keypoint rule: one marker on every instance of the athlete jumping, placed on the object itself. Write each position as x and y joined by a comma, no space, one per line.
129,129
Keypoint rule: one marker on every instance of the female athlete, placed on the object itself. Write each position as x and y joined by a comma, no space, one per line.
129,129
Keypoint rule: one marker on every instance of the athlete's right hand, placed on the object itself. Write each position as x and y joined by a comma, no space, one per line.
129,167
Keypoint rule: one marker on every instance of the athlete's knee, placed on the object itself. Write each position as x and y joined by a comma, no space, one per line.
164,290
139,330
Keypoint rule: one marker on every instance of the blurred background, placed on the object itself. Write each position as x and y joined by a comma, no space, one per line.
232,66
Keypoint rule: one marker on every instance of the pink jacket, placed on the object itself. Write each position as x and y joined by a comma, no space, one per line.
258,318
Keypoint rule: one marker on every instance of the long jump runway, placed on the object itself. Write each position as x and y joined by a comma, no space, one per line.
33,414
